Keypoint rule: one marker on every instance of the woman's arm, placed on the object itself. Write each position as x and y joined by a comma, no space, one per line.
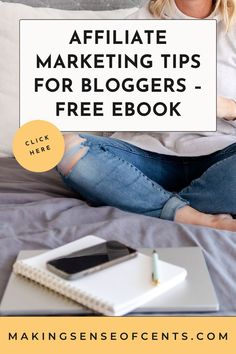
226,108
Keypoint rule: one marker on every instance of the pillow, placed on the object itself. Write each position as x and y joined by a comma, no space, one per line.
9,58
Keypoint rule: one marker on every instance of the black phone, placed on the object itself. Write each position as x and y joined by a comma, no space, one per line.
88,260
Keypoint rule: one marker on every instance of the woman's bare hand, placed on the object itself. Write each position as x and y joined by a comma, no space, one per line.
226,108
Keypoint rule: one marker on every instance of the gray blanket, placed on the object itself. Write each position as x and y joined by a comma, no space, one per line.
38,212
94,5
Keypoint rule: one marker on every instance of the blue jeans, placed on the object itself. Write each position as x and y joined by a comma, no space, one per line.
113,172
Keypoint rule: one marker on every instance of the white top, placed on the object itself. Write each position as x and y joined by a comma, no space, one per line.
195,144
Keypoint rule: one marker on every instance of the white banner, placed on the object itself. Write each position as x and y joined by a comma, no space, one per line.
119,75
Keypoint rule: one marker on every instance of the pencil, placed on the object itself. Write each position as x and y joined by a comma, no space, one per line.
155,268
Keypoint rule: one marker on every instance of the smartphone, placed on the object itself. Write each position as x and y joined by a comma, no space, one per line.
89,260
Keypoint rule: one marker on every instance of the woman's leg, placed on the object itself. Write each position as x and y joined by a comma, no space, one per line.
107,171
215,193
111,172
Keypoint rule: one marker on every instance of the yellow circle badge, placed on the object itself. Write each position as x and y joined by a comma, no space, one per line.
38,146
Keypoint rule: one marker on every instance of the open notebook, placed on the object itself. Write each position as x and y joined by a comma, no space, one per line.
113,291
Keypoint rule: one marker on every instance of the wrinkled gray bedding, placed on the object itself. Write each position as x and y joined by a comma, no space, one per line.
38,212
95,5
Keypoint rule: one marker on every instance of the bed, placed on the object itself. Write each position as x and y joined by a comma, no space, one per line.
38,212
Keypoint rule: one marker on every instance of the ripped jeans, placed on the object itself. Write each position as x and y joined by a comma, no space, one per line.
116,173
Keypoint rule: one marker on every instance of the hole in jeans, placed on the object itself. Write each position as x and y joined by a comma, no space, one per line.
73,153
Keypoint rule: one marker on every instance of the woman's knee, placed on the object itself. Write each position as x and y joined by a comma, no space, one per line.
225,172
74,151
215,191
71,139
219,176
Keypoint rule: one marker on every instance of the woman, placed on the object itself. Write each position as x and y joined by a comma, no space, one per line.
189,178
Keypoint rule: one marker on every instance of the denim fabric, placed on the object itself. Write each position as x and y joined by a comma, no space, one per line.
113,172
